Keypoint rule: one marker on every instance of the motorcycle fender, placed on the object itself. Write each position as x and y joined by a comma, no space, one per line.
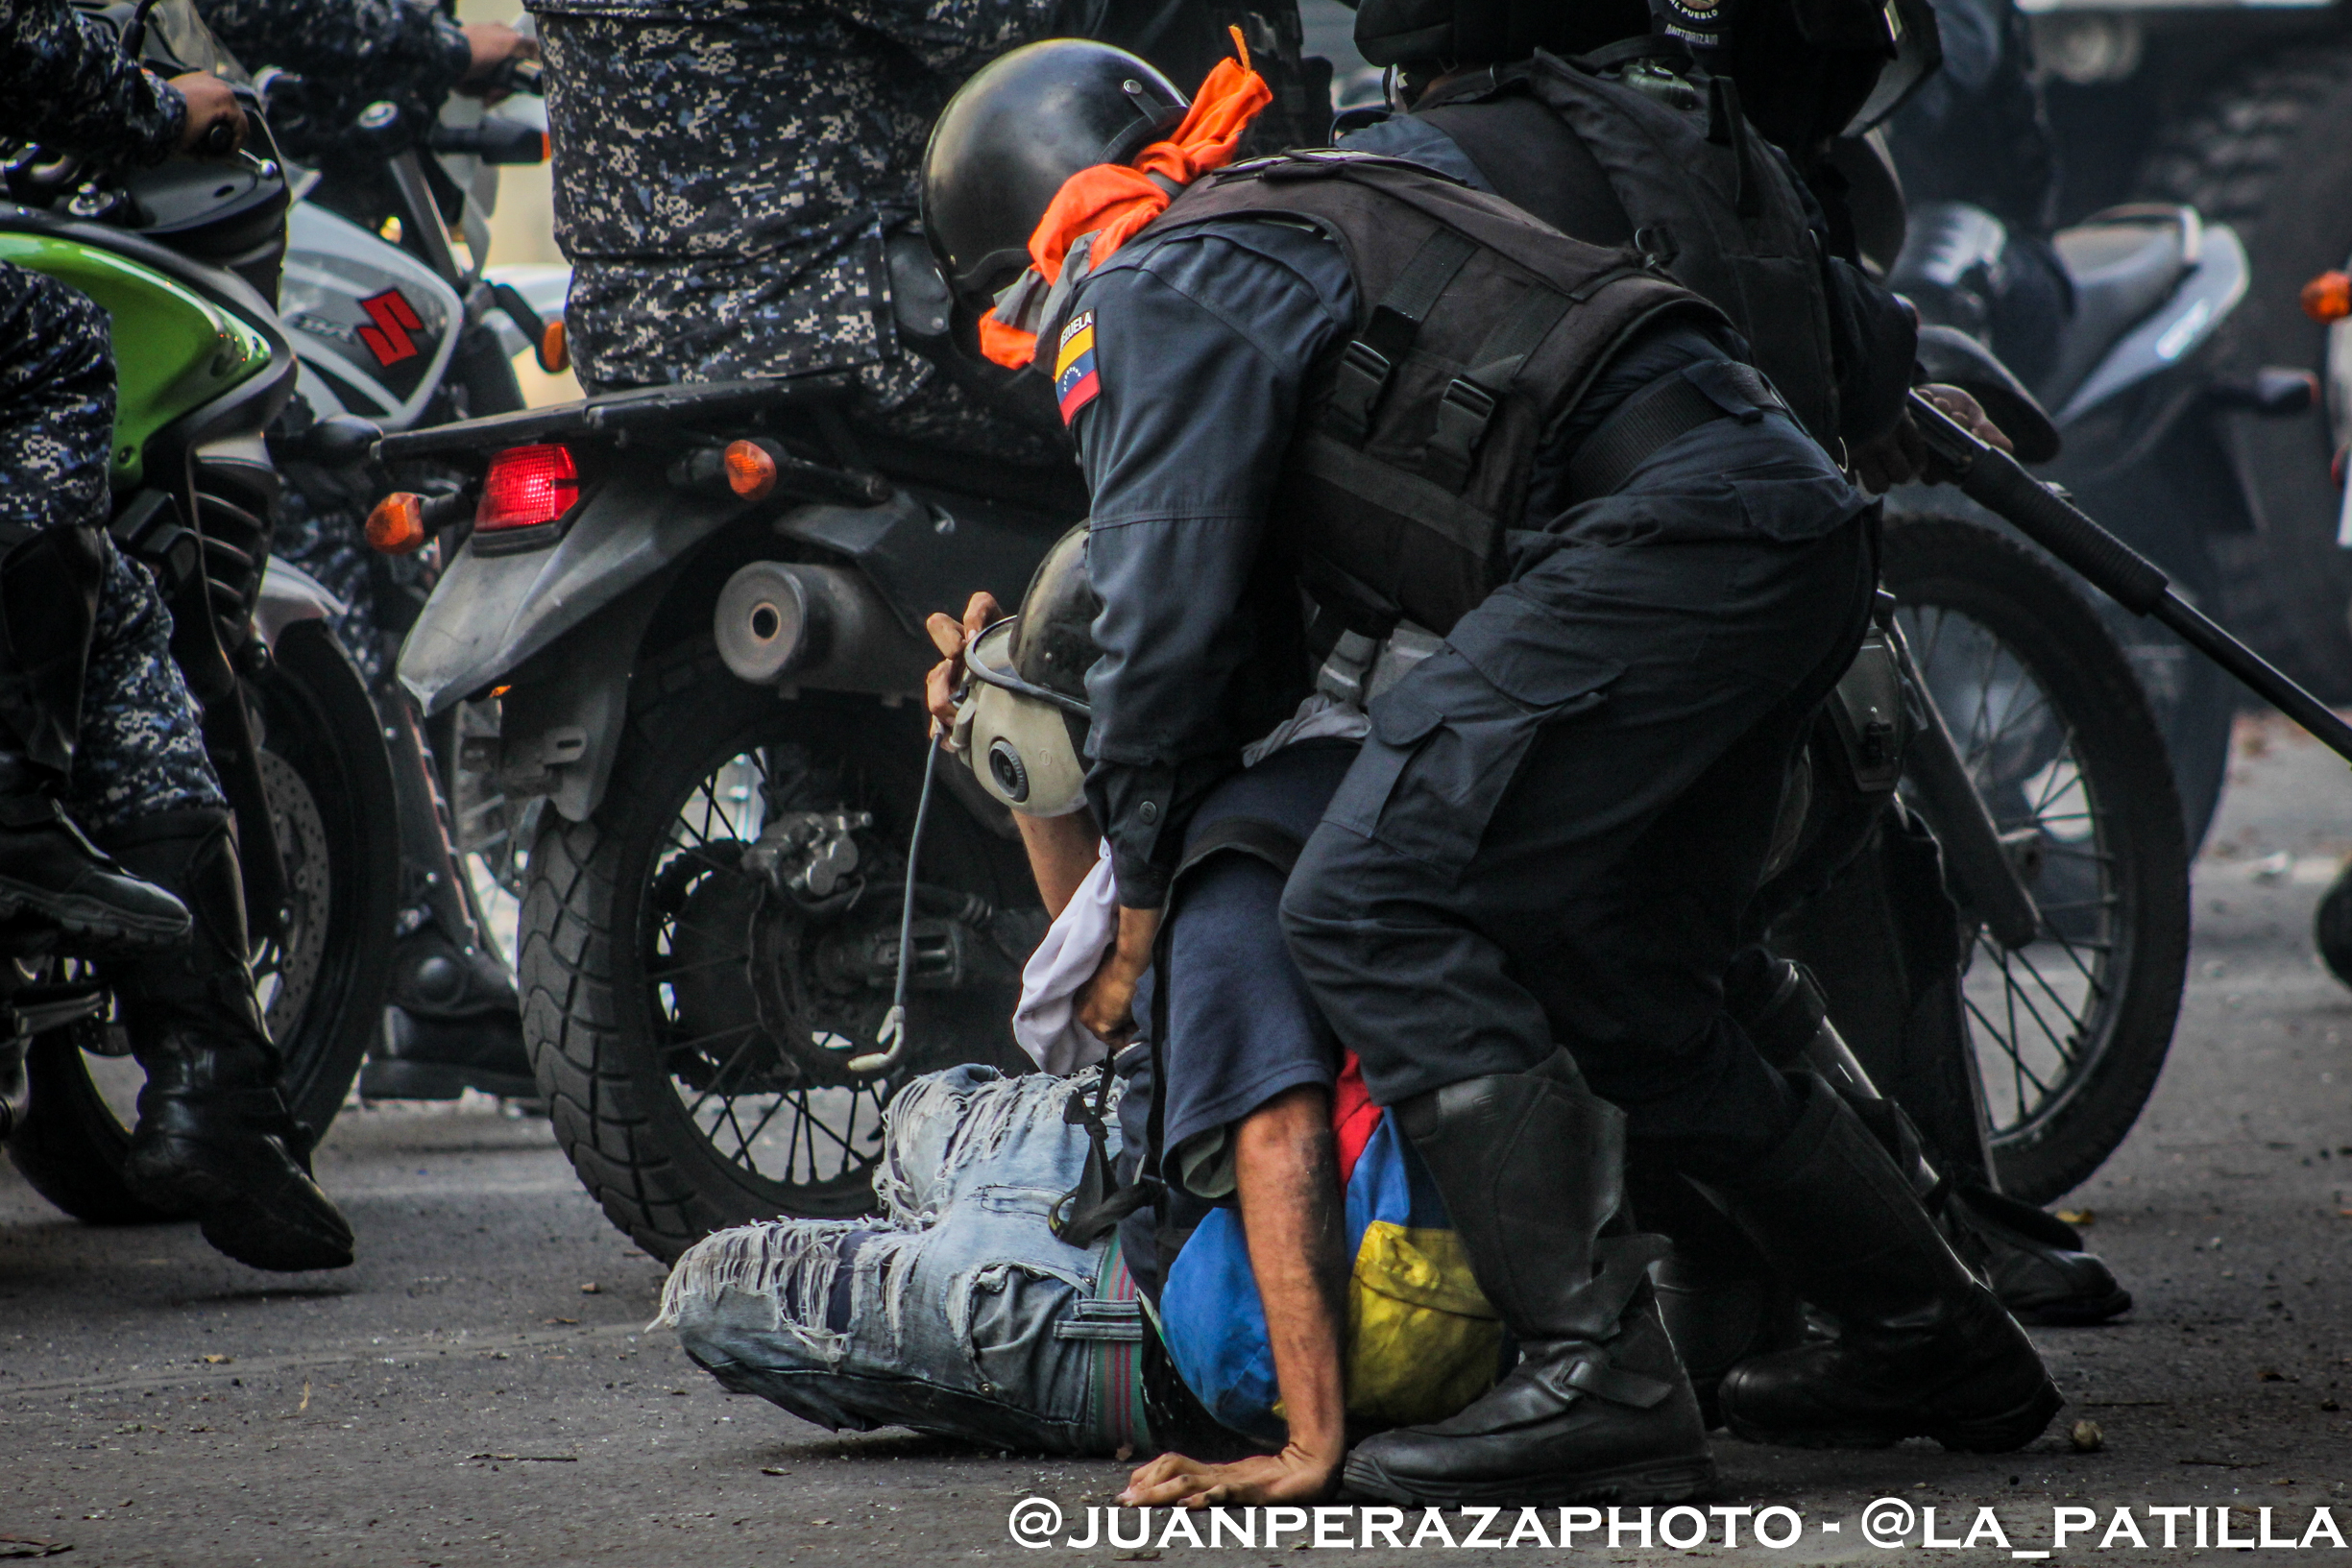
489,616
560,723
2195,312
290,595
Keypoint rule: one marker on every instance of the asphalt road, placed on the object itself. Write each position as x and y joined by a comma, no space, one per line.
481,1390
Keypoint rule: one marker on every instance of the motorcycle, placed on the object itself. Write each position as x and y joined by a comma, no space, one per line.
185,259
406,332
691,618
2137,404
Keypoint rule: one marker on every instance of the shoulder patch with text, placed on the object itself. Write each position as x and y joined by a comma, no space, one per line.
1074,382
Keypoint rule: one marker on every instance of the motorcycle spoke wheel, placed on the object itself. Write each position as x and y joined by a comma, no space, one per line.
2071,1029
2036,1011
795,1137
654,961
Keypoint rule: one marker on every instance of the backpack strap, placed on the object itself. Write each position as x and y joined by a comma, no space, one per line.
1471,398
1670,407
1370,359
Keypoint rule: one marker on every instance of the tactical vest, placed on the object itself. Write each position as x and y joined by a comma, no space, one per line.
1477,330
1693,187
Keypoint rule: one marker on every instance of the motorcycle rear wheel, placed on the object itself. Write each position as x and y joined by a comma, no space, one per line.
640,997
2070,1030
323,985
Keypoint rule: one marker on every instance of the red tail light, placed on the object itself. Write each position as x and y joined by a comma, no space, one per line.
526,487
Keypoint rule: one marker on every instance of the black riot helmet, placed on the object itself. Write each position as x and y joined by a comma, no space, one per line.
1023,722
1446,32
1012,134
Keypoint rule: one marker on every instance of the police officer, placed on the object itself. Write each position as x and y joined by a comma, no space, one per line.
348,54
1975,139
734,188
1570,113
453,1021
214,1135
1534,874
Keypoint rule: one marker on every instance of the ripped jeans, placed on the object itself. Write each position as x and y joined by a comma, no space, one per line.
955,1311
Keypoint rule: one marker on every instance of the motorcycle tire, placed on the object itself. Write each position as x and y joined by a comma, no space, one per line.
2332,927
2070,1030
2269,151
636,945
324,983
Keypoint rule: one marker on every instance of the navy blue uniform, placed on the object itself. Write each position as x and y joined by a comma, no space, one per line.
141,747
1551,834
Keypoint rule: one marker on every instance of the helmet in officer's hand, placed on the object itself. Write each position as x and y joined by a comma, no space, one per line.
1012,134
1026,711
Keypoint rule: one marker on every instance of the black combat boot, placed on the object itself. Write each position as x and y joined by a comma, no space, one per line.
2034,1261
1531,1168
214,1134
1924,1349
453,1023
51,874
1721,1302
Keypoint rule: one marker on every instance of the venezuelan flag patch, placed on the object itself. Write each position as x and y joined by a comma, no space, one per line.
1074,382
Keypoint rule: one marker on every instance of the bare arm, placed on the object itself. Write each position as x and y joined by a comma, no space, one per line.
1061,851
1286,1167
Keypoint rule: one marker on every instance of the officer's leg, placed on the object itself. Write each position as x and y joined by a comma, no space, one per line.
214,1133
1503,874
57,420
1601,904
911,400
1883,941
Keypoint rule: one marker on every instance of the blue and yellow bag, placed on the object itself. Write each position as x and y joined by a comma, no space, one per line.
1422,1341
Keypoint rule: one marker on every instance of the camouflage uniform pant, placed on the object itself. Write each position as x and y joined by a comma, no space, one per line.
326,536
141,748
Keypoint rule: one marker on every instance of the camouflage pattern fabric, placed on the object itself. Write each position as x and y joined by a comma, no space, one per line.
328,538
65,82
142,746
725,171
348,53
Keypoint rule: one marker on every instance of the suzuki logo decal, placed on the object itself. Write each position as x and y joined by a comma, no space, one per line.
395,318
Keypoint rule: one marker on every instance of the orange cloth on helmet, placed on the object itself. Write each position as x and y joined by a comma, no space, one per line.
1114,201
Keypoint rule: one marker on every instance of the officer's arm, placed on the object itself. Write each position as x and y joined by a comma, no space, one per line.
68,86
1183,416
351,53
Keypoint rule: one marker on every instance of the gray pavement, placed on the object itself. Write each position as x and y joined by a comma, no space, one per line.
480,1389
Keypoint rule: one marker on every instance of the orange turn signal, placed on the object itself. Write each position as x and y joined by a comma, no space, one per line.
2328,298
554,348
751,472
395,526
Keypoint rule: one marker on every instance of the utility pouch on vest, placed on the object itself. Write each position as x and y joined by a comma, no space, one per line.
1479,329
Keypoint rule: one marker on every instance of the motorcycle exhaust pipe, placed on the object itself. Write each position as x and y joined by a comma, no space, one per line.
791,623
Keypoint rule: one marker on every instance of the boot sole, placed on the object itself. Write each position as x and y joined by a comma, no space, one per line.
1660,1481
248,1234
89,917
2002,1433
2070,1313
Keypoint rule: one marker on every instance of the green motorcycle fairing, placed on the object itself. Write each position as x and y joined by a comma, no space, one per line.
174,350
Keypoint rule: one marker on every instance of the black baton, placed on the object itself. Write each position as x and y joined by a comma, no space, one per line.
1996,482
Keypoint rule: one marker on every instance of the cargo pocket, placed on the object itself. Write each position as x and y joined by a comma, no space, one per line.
1794,510
1401,723
1448,739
